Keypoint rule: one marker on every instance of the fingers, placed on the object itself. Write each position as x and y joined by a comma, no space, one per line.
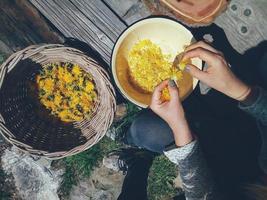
195,72
157,92
203,45
173,89
201,53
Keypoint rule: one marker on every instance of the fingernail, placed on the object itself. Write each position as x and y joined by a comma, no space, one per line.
187,68
172,83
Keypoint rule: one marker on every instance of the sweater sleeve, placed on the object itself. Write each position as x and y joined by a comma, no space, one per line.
196,179
258,108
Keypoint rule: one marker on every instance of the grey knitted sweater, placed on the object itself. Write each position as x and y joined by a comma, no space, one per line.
244,23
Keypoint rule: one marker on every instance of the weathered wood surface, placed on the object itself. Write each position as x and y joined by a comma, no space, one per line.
21,26
129,10
96,22
90,21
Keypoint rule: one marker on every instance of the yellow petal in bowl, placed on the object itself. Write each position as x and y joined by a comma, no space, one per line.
170,36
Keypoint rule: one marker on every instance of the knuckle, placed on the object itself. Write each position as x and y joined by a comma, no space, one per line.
219,60
202,43
198,50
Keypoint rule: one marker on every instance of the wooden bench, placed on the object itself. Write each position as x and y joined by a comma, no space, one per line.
96,22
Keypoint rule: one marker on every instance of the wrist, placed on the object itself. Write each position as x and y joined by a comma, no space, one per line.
251,97
182,133
175,122
240,91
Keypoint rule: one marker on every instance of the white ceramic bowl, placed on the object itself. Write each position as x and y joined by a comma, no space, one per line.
171,36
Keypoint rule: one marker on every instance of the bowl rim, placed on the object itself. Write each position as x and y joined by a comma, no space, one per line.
112,60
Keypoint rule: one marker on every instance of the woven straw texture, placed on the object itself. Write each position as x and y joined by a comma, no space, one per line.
25,123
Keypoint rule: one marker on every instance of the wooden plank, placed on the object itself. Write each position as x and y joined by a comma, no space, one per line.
72,23
129,10
4,49
89,21
21,26
100,16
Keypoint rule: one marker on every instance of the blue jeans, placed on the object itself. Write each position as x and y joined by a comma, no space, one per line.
150,132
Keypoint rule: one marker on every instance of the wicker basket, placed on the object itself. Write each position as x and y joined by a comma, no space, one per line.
25,123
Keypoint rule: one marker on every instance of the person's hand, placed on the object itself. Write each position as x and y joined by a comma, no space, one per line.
172,112
218,75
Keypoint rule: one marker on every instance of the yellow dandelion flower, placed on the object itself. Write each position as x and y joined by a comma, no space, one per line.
68,78
76,70
148,66
165,96
41,83
89,87
48,84
64,114
183,64
63,92
74,101
58,100
60,73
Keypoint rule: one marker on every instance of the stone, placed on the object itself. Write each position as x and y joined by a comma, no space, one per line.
111,162
178,182
33,180
121,111
103,184
102,195
111,133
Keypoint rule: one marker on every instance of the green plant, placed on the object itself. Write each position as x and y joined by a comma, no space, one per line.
78,165
4,194
82,164
160,181
122,126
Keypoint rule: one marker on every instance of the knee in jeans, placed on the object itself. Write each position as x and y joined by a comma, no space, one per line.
150,132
